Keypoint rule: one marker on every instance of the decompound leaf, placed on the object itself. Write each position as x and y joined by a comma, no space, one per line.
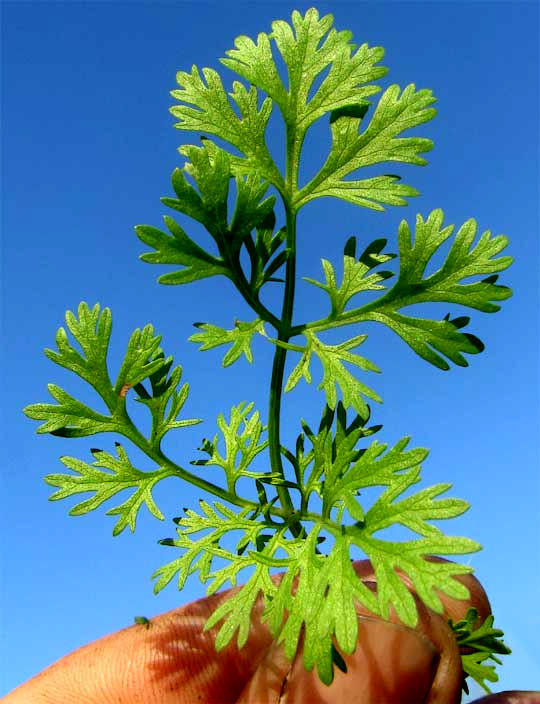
438,341
69,417
396,111
179,249
356,274
335,374
315,602
119,475
240,337
241,436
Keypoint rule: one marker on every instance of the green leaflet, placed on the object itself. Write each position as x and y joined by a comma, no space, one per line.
241,447
240,337
307,48
335,375
431,339
179,249
198,554
478,645
166,400
214,114
122,475
237,610
69,417
463,260
92,331
210,168
428,337
356,274
143,360
377,144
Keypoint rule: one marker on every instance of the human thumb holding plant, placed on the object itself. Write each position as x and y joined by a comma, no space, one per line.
170,660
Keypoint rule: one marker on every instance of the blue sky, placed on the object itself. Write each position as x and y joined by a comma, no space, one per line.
88,149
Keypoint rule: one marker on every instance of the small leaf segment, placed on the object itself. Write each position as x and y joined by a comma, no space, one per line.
479,643
312,493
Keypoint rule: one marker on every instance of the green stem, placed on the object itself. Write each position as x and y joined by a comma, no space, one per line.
278,367
358,315
246,290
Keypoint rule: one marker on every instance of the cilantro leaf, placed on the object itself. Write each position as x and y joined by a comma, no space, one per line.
356,274
143,359
199,553
241,448
398,470
377,144
212,113
179,249
105,484
478,645
334,373
69,417
240,337
431,339
462,261
308,47
210,168
166,400
427,337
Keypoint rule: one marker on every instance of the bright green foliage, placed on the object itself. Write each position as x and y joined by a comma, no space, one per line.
241,447
334,373
377,144
143,360
105,484
479,644
69,417
179,249
429,337
240,337
328,587
166,400
356,274
286,526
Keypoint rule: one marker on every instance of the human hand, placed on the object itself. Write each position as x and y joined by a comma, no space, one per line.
173,661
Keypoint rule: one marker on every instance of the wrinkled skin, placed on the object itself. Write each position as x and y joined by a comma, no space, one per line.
174,662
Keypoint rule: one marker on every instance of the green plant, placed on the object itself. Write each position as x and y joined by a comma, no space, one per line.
328,467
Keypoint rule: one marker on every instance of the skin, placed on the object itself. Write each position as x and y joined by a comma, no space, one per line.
171,661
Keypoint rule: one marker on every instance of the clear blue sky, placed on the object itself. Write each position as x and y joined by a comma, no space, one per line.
88,149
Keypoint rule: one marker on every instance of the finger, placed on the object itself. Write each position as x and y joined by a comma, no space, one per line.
511,697
174,661
391,665
170,662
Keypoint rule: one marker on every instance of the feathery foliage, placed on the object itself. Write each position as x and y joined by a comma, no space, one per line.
287,527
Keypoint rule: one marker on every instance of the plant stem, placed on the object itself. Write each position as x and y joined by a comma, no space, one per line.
276,384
